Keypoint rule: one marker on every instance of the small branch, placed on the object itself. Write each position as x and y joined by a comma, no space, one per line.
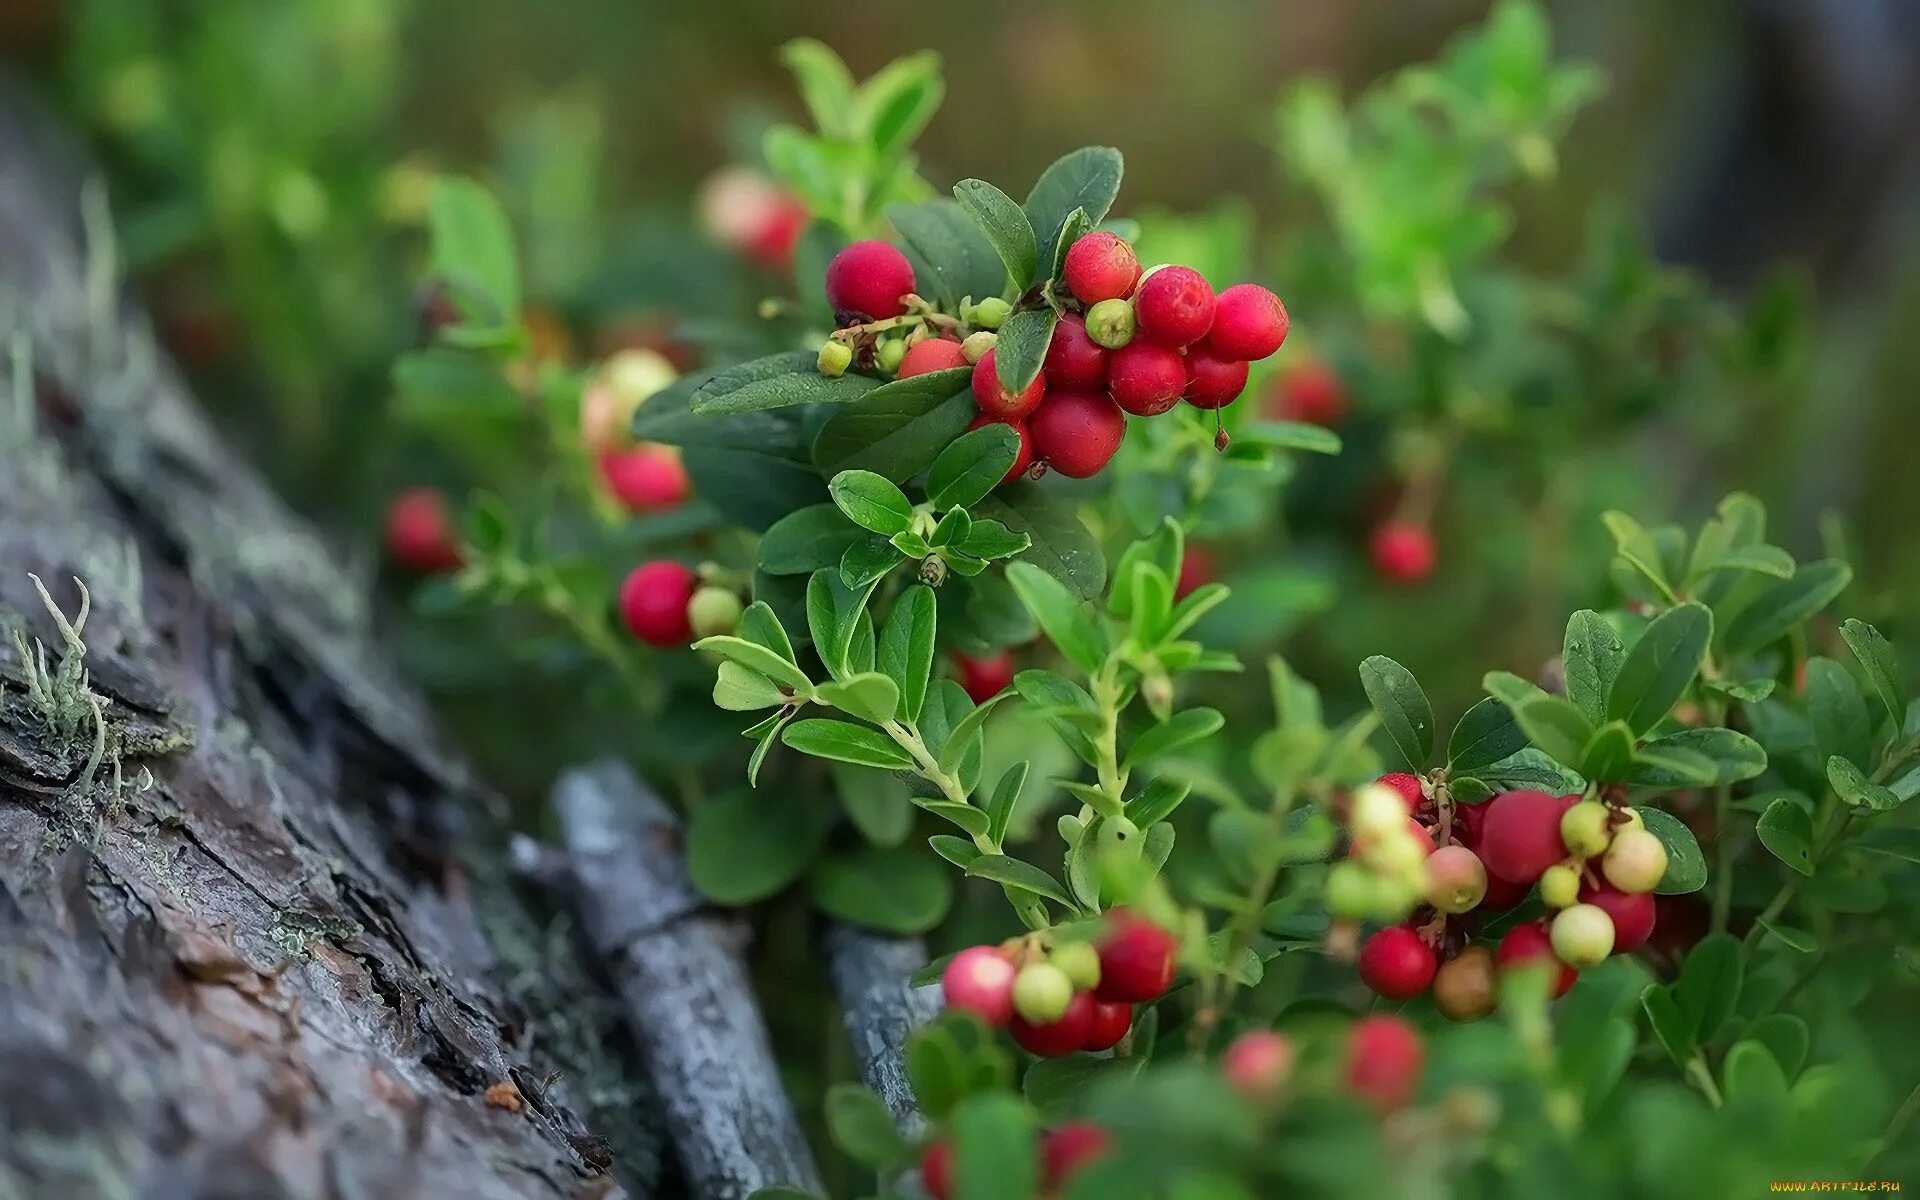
881,1009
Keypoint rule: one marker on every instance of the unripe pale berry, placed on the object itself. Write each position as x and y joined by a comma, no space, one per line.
1520,834
1351,891
934,354
1559,886
1213,382
990,313
1066,1149
978,345
869,280
1408,786
1041,992
1073,359
1258,1064
653,602
993,397
984,678
1249,322
1397,964
646,478
1080,962
1077,433
889,354
1100,266
1636,862
1465,988
1582,935
1456,879
1110,323
420,535
1023,457
1137,959
1146,379
1632,914
1402,553
1052,1039
1384,1061
979,980
835,357
1530,945
1110,1023
1377,810
936,1170
714,611
1587,828
1312,392
1174,306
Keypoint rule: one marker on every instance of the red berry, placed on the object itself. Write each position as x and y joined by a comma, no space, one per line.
1402,553
1384,1060
934,354
1055,1038
1409,788
869,280
1074,360
1311,392
1397,964
984,677
646,478
1213,382
1077,433
1520,835
1258,1063
995,400
1068,1148
420,532
1174,306
936,1170
979,980
1146,379
1137,960
1632,914
1196,571
771,243
1023,457
1503,895
1110,1024
1249,322
1100,266
653,603
1531,944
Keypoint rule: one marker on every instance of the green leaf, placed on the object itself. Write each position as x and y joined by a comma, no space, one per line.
1403,709
906,648
952,258
1556,727
899,430
1660,667
861,1126
990,540
1510,689
1786,604
898,101
1709,985
448,388
1184,729
869,695
956,850
1787,830
777,382
844,742
961,736
1634,544
1069,622
1590,658
1785,1036
1837,710
778,437
1054,257
1059,1087
1671,1027
972,466
1157,802
996,1156
1022,347
1006,797
1087,179
966,816
872,502
1732,757
1486,734
1878,660
744,846
1853,787
1023,876
473,253
1608,755
867,561
738,689
768,733
879,803
1062,546
1003,223
1291,435
1760,559
757,658
898,891
760,626
825,85
1686,866
833,617
1793,939
807,540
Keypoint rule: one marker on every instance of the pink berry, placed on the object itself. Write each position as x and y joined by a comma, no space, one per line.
1397,964
1068,1148
1055,1039
1174,306
1213,382
1402,553
1137,959
979,980
1100,266
420,534
869,280
1146,379
1110,1023
934,354
1249,322
653,603
1384,1061
646,478
996,401
1258,1063
1520,835
1525,944
1311,392
1023,457
984,677
1077,433
1074,360
1632,914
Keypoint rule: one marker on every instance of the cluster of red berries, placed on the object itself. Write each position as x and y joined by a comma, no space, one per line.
1134,343
666,603
1596,864
1068,997
1063,1151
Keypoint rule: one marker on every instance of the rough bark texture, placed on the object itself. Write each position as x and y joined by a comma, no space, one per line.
247,945
880,1008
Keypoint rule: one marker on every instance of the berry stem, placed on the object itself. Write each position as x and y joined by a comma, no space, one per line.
1702,1078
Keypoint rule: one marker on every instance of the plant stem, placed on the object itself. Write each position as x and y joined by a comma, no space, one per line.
1702,1078
1896,1128
1106,695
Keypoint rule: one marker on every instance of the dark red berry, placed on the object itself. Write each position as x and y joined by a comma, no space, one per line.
1249,322
1402,553
1068,1148
1110,1024
995,401
1397,964
934,354
1174,306
1137,959
1311,392
1196,571
1212,381
653,603
1409,788
936,1170
646,478
1520,834
984,677
1146,379
1501,894
1384,1061
1531,943
869,280
1100,266
1074,360
1077,433
1023,457
1056,1038
420,534
1632,913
